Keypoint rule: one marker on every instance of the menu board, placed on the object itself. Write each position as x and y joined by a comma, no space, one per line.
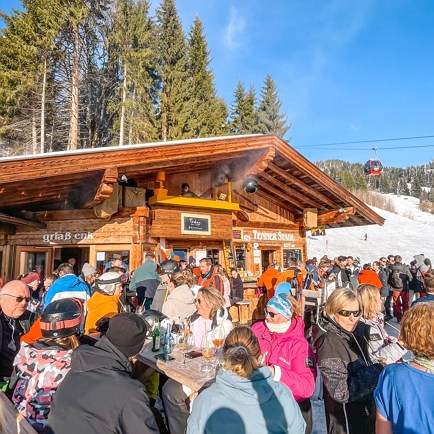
195,224
288,253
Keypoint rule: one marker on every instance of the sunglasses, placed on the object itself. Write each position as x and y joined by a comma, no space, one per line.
198,301
19,298
271,314
348,313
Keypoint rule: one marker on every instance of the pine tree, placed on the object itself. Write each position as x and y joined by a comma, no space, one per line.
175,82
28,46
268,116
416,187
208,112
243,111
132,50
81,85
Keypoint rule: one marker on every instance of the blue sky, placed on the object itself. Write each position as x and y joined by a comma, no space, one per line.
346,71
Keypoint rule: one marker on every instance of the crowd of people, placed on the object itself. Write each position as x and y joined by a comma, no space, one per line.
69,347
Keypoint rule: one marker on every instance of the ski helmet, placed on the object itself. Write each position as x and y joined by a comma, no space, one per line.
62,318
169,267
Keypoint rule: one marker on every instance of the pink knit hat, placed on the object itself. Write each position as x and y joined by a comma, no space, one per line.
31,277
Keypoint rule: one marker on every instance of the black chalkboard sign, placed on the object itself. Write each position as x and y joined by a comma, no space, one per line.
196,224
288,253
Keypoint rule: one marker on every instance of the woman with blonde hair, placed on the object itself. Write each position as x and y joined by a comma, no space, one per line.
179,303
210,316
245,398
381,347
349,375
404,391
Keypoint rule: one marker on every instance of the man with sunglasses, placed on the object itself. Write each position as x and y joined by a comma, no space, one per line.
15,320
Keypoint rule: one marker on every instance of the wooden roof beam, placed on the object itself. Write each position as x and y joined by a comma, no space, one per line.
258,166
30,193
292,209
104,189
5,218
303,199
337,216
306,188
278,203
26,200
283,196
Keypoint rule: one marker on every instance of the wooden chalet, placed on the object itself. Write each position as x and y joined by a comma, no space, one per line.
74,204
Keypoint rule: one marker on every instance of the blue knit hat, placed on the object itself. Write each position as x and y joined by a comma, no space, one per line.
281,304
283,288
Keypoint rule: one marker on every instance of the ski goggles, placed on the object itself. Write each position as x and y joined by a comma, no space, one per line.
348,313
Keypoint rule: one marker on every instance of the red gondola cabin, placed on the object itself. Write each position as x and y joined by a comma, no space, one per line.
373,168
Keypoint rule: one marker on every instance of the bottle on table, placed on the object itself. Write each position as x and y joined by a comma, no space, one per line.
156,343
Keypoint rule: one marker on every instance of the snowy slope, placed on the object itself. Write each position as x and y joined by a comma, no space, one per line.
409,233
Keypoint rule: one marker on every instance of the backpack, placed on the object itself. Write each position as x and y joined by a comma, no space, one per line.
395,280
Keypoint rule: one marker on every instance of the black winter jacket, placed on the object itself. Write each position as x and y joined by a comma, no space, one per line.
98,395
349,379
11,331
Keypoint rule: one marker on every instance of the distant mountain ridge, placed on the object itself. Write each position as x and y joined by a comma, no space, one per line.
415,181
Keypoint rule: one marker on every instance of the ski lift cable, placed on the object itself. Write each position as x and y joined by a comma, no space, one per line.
367,149
369,141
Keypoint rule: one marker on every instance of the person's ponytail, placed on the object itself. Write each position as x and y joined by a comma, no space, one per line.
241,352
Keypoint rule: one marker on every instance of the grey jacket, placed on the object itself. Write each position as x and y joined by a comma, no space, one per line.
234,405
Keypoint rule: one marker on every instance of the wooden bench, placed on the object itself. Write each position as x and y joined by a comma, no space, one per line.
10,421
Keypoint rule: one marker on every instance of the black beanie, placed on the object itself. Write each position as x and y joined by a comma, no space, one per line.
127,332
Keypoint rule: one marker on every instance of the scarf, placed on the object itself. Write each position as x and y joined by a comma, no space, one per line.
278,328
428,364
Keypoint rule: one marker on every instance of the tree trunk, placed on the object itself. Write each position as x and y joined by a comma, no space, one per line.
124,98
164,127
34,133
44,86
73,132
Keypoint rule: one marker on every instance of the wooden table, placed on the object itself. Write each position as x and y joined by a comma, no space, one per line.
10,421
190,376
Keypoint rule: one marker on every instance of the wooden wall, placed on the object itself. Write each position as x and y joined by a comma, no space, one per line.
167,224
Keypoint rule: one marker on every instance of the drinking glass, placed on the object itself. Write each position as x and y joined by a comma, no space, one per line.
208,351
184,342
218,334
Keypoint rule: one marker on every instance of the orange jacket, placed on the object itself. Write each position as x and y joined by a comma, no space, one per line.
289,274
369,277
268,280
34,333
213,280
100,306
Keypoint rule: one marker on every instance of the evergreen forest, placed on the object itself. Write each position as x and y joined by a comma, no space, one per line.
416,181
91,73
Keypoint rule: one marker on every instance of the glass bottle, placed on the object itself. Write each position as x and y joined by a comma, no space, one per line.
156,337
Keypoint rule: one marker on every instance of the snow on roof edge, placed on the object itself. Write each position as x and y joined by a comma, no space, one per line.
125,147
